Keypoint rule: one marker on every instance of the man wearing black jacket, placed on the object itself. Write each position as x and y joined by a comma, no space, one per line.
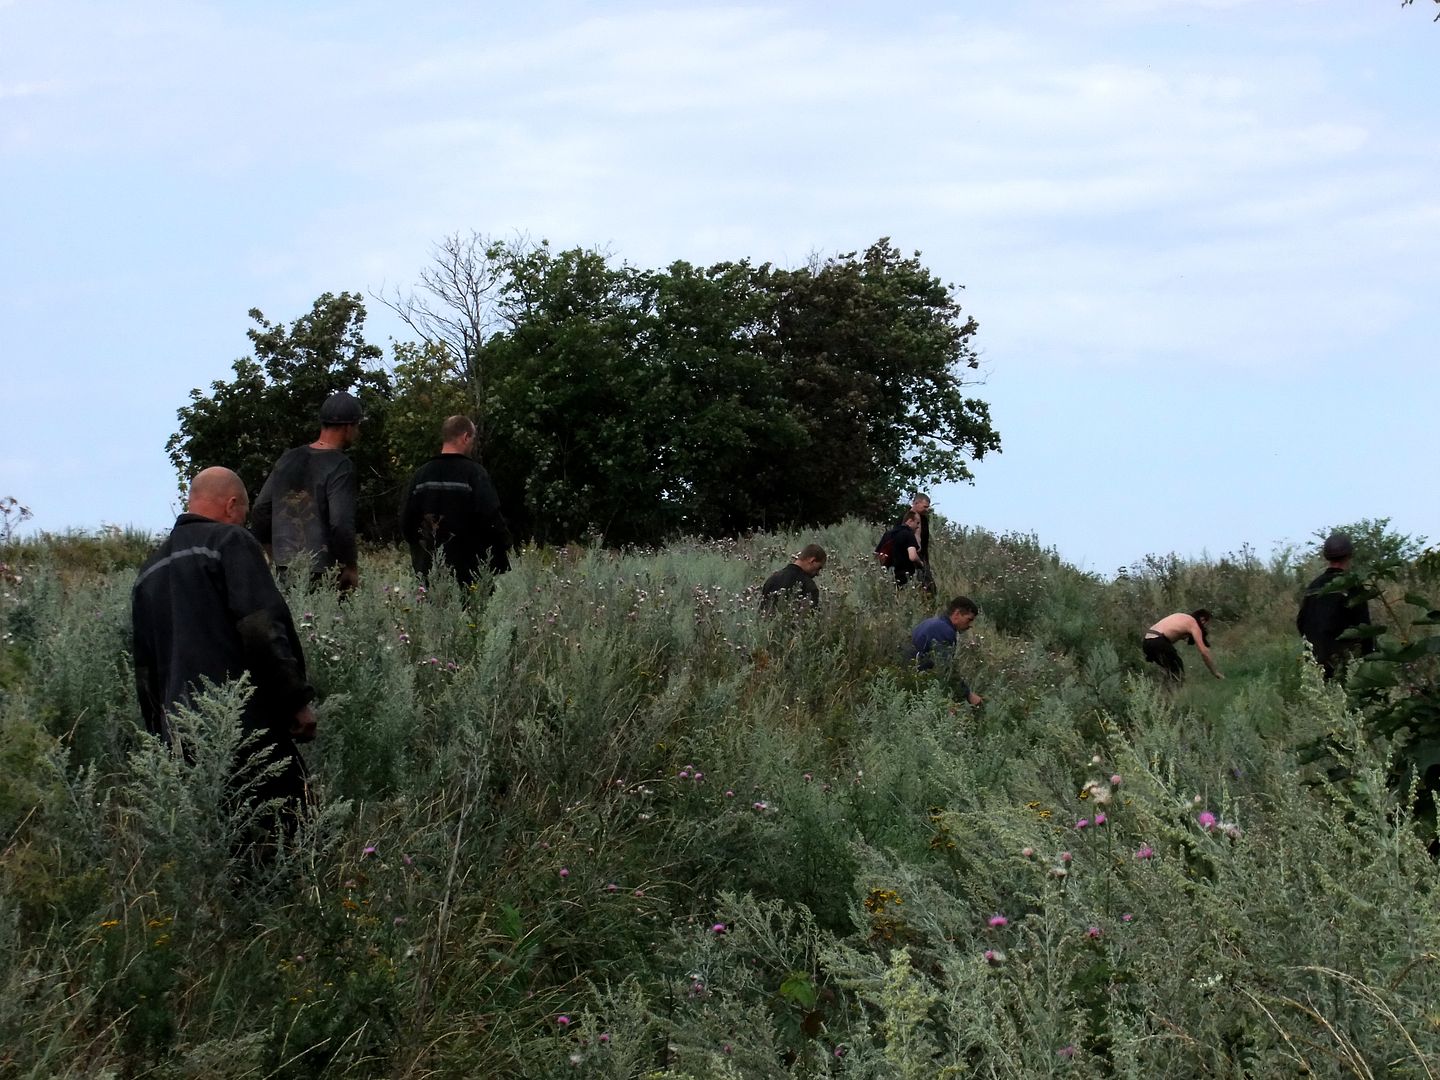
1326,612
451,508
206,610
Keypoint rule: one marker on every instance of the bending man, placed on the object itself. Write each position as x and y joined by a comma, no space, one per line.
1159,642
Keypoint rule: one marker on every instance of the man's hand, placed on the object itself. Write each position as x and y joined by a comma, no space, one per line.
976,699
302,728
349,578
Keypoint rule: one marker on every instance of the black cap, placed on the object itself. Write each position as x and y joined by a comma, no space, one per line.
341,408
1338,546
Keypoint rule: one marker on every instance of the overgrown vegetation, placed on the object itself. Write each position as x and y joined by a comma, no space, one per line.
606,821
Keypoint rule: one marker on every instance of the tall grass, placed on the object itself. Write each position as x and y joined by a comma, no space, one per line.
603,819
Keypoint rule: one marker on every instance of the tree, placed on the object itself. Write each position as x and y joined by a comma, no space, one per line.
873,354
638,404
454,309
273,400
730,433
576,433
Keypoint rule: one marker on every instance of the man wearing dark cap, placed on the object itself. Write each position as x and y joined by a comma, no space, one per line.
1329,609
205,609
305,513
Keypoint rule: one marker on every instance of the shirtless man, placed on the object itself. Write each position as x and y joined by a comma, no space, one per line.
1159,643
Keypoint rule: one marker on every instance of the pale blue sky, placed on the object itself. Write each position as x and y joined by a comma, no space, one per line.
1200,238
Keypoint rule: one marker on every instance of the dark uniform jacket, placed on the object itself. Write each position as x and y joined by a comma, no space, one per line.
451,507
783,583
306,510
1325,616
205,606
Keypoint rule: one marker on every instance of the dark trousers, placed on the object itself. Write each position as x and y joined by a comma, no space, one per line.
1161,650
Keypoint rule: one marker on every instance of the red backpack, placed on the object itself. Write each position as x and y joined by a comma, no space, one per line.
885,549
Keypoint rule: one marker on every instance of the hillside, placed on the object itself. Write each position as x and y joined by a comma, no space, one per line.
607,821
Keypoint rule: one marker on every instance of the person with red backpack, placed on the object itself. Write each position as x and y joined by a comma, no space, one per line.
899,549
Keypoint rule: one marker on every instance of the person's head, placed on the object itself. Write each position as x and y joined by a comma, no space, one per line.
811,559
961,612
1338,549
457,435
340,418
218,494
1203,617
912,518
920,502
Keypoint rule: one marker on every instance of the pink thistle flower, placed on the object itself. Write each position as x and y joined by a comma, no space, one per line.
698,777
612,887
1100,819
1083,823
1146,852
370,849
407,860
1127,917
604,1038
1065,856
639,892
564,871
1028,852
729,794
997,921
1066,1052
1092,932
562,1020
1206,820
684,774
1115,779
718,928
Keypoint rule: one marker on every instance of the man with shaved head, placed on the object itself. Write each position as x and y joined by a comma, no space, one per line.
206,610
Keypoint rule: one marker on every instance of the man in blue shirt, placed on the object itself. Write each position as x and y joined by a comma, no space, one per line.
935,638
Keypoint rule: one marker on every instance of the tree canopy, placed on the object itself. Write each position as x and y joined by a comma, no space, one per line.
630,403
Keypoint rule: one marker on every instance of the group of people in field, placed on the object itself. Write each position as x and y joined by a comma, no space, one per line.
207,609
1328,609
905,550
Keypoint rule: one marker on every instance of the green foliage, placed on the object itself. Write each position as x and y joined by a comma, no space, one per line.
636,404
605,789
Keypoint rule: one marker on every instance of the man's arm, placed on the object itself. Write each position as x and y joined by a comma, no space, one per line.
342,495
272,649
487,511
262,515
1197,635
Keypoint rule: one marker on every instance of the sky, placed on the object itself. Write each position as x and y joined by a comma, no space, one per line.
1200,239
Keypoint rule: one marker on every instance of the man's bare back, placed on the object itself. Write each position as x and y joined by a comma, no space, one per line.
1174,627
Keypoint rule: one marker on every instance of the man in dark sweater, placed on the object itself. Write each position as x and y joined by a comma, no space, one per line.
901,546
935,638
205,609
1327,611
798,575
305,513
451,509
